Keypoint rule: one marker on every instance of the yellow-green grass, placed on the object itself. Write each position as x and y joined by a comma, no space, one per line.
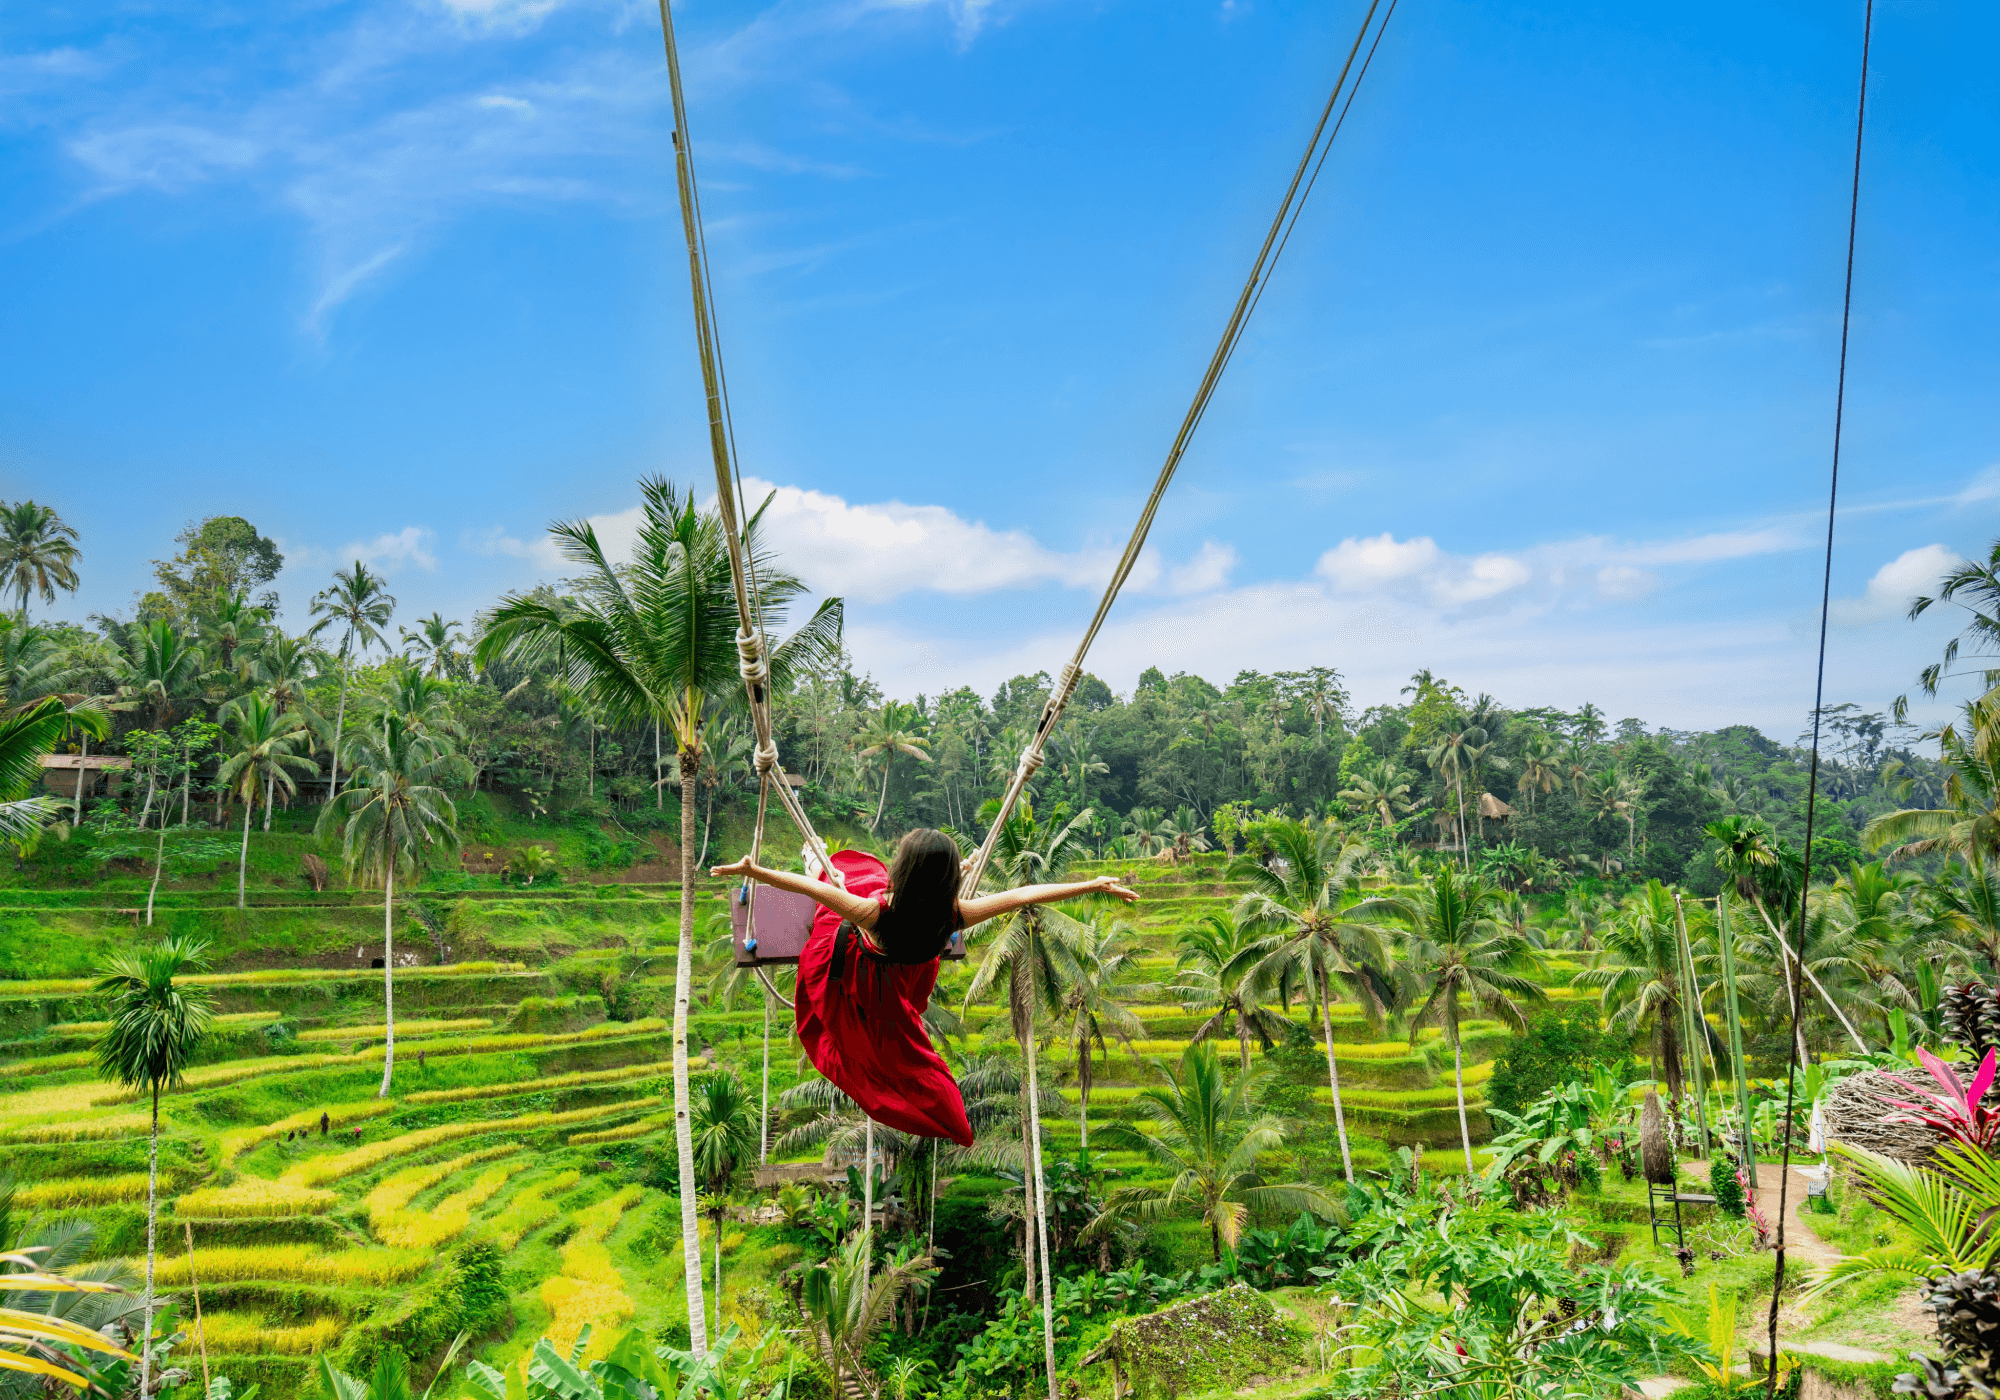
237,1141
254,1196
318,1171
58,1103
530,1207
395,1192
56,986
302,1263
83,1190
246,1335
537,1086
84,1030
426,1229
534,1040
80,1130
234,1072
48,1064
624,1134
403,1028
589,1291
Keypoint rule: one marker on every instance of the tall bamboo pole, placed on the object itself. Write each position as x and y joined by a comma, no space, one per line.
1697,1024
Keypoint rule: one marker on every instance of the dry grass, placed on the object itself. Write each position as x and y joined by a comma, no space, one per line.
395,1193
624,1134
531,1208
81,1130
423,1229
48,1064
254,1196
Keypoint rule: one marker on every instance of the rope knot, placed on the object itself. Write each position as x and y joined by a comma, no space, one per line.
750,660
1031,761
767,758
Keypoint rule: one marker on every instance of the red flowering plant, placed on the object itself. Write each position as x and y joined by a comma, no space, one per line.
1960,1112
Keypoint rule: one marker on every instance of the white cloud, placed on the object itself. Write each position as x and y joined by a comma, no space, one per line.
1418,568
1621,583
1208,570
1889,592
502,102
389,553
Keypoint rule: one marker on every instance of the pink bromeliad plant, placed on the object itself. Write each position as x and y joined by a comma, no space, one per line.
1960,1112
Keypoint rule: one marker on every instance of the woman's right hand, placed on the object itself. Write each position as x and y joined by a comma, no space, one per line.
745,867
1108,884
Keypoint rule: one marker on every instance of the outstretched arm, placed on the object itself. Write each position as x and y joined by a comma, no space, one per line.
848,906
992,906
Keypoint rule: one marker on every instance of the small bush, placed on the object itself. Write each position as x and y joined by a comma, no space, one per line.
1723,1185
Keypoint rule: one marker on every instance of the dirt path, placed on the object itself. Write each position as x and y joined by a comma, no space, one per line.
1801,1242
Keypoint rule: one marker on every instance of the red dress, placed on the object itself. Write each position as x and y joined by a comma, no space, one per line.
864,1029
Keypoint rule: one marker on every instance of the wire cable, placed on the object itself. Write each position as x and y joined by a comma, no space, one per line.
1819,688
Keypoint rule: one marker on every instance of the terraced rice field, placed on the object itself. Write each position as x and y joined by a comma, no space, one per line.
521,1121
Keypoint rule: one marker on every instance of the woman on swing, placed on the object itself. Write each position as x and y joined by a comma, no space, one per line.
867,972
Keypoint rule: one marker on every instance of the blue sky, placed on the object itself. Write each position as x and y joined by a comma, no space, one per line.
1541,397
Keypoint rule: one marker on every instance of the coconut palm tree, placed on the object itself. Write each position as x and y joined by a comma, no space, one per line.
434,647
1208,1138
393,816
1383,789
359,605
1452,757
1315,942
653,642
1457,949
847,1304
162,668
1036,951
1541,766
1974,587
723,1146
1638,968
891,730
267,744
1213,977
1968,825
155,1023
1090,1006
29,733
1968,908
38,553
282,668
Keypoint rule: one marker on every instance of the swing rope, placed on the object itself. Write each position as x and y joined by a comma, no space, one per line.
1819,683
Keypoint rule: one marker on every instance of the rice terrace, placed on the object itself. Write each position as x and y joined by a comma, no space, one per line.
1436,845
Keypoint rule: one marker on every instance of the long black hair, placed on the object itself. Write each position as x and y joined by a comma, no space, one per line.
922,911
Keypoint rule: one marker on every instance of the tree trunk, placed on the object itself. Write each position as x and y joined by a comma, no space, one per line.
764,1100
270,784
1464,846
660,789
707,823
1041,1211
683,1125
388,976
1670,1055
718,1273
243,856
82,776
1458,1083
152,1222
339,719
590,777
1325,995
152,785
1083,1099
881,806
159,859
867,1207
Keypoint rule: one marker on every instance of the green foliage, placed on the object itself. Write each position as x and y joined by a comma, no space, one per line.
1560,1045
1211,1340
1723,1185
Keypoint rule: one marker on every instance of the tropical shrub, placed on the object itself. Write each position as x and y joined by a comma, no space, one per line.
1559,1046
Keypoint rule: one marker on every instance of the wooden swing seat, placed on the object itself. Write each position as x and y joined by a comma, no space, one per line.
784,923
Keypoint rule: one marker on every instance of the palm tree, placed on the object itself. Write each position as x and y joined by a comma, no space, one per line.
155,1025
433,648
1541,766
1969,907
1089,1005
1036,951
846,1308
393,816
1383,789
161,668
1214,977
1638,966
28,733
1316,940
723,1146
282,668
38,553
267,743
359,604
1968,826
1976,588
1457,948
1209,1141
892,730
653,642
1452,756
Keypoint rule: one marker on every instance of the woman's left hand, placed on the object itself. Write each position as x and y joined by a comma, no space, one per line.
745,867
1108,884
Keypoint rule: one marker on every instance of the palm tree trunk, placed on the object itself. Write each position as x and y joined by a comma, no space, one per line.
881,806
660,788
82,776
707,823
1458,1083
1325,995
152,1223
1041,1209
718,1273
243,856
388,976
867,1206
270,784
1464,846
152,785
683,1128
1083,1099
159,859
764,1101
339,719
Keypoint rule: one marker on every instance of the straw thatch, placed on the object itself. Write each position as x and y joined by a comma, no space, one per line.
1857,1110
1656,1153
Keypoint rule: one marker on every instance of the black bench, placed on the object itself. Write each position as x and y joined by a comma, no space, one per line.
1658,1195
